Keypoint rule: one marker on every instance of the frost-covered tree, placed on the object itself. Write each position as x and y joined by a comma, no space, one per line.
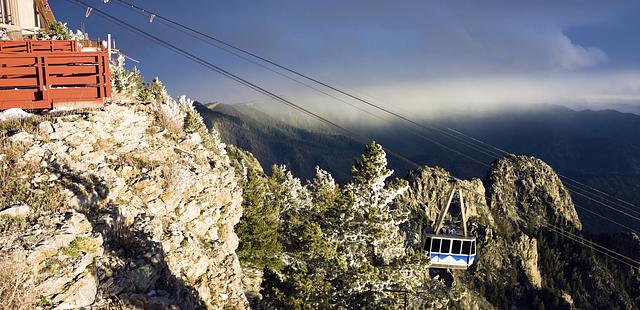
370,238
57,31
375,231
344,247
311,261
126,82
170,114
287,190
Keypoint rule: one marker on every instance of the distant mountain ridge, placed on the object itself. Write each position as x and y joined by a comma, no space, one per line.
276,142
599,148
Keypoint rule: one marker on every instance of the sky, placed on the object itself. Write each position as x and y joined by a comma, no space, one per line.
417,56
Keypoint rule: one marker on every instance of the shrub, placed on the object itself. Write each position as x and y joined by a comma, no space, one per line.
128,82
80,245
15,293
15,184
57,31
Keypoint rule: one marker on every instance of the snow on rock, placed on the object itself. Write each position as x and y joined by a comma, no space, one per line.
14,113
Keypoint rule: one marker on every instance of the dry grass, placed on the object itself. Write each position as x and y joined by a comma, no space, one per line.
138,161
11,224
29,125
16,187
16,175
103,144
15,293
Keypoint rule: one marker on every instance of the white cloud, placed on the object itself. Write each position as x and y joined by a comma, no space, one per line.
568,55
430,98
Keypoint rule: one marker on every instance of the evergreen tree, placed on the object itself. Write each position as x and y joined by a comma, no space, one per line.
343,246
258,228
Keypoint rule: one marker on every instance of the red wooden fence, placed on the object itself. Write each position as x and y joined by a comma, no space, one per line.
27,46
45,80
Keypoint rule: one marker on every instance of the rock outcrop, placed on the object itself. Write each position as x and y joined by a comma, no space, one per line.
149,205
527,250
59,251
428,193
527,191
432,187
517,198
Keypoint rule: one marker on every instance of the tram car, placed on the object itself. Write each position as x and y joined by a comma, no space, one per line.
450,251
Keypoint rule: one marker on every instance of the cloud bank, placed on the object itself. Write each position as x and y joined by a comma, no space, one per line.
418,55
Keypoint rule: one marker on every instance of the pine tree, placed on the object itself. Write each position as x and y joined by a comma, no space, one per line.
258,228
311,258
371,168
342,244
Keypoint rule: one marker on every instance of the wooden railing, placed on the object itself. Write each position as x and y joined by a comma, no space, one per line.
46,80
32,46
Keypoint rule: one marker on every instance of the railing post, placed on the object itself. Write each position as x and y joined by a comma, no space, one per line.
100,76
45,73
107,74
39,79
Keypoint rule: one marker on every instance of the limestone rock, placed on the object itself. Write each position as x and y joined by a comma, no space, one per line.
81,293
150,219
526,190
57,254
21,210
45,128
429,190
527,250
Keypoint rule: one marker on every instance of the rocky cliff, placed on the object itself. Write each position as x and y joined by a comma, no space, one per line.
519,191
130,206
527,191
521,262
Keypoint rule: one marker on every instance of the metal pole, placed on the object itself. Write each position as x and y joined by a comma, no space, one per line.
463,212
109,45
444,211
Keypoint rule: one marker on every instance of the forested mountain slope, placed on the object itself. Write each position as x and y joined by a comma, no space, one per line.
323,244
275,142
598,148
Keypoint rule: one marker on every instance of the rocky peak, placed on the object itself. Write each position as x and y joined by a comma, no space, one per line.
520,192
526,190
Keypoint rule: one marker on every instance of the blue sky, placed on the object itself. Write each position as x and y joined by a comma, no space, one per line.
414,54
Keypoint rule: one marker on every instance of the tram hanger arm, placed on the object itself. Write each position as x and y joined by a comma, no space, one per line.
444,211
463,211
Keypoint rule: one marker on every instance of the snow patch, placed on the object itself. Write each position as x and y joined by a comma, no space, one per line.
14,113
62,109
